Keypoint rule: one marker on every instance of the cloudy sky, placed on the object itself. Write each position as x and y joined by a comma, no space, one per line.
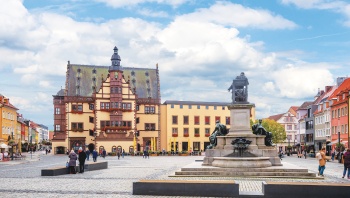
287,48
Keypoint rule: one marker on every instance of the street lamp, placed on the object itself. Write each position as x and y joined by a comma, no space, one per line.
12,145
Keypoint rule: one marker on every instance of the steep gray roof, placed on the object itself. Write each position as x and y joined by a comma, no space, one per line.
81,79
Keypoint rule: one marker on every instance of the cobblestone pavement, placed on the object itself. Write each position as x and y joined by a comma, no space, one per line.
24,180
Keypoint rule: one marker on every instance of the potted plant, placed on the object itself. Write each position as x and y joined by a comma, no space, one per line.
340,147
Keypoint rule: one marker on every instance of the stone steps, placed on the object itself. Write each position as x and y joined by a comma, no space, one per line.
243,170
249,174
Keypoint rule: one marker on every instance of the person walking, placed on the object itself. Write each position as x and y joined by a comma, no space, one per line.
321,161
104,153
347,163
280,155
82,158
118,154
94,155
305,153
333,155
87,154
72,161
123,153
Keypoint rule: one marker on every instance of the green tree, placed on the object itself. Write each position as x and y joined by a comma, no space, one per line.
277,130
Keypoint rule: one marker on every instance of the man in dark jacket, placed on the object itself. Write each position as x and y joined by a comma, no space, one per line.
82,157
94,155
346,163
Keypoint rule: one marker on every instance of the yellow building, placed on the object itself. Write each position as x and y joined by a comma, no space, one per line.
107,107
8,120
188,124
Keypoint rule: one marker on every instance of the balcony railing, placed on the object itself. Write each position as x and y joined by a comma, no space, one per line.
116,128
175,135
116,109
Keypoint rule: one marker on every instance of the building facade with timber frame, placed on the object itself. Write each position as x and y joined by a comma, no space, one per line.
108,107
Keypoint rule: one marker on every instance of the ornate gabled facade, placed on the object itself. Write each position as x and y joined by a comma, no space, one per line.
108,107
290,123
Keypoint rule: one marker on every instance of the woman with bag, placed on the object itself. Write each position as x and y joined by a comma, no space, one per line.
346,163
72,161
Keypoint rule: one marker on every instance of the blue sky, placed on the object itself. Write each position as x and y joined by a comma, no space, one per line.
287,48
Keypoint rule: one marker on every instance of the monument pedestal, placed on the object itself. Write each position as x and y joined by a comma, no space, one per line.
240,128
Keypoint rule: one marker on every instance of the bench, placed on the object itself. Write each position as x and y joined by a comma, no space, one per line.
304,189
212,188
62,170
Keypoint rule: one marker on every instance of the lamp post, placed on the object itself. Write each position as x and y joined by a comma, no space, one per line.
12,145
340,154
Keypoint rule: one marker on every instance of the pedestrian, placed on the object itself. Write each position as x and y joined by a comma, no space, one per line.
305,153
72,161
333,155
87,154
280,155
46,151
321,156
82,158
94,155
147,154
163,151
118,154
346,163
123,153
104,153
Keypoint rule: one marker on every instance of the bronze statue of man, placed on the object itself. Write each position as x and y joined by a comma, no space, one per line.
220,130
239,89
258,129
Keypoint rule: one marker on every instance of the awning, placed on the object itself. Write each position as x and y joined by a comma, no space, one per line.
298,144
4,146
336,142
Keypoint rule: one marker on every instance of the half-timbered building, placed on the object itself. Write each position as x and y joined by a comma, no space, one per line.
108,107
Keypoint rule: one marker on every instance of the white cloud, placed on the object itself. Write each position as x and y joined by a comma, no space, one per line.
302,80
235,15
124,3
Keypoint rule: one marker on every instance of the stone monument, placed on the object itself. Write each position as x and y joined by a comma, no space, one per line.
252,148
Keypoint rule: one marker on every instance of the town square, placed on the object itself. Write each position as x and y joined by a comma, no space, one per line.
182,98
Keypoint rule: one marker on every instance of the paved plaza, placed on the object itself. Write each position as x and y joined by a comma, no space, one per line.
23,178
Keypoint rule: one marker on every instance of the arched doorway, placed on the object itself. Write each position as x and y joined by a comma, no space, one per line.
100,150
60,150
77,144
114,149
